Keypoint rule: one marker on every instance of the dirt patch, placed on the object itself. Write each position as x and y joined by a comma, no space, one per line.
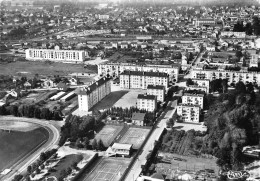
17,126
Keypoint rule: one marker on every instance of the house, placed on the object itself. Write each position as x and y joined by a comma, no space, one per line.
122,149
27,85
62,86
138,118
48,83
124,45
153,177
73,81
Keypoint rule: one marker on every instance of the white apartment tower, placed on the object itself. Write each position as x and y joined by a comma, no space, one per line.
157,90
91,95
147,102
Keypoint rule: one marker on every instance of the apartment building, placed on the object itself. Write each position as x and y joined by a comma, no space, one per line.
147,102
231,76
204,21
195,87
115,69
74,56
157,90
188,113
91,95
140,80
202,83
193,99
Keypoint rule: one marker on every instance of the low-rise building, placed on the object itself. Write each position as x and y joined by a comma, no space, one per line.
122,149
75,56
146,102
202,83
91,95
115,69
231,76
193,99
157,90
200,88
188,113
140,80
138,118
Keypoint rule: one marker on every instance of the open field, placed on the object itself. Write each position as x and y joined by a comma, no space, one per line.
129,99
65,163
108,134
110,100
135,136
186,164
109,169
16,145
17,126
30,68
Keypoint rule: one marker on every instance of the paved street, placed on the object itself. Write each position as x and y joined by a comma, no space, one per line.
136,169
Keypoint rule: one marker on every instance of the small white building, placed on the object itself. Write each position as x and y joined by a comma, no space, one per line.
122,149
157,90
188,113
193,99
147,102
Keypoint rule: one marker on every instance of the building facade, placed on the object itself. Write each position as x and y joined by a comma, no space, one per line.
74,56
147,102
140,80
202,83
157,90
91,95
193,99
231,76
115,69
188,113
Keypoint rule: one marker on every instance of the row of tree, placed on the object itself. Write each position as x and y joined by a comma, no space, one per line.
30,111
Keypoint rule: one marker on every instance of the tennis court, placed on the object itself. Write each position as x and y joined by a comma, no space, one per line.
135,136
108,134
109,169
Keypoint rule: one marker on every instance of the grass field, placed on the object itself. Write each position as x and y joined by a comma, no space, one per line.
30,68
109,169
15,145
65,163
135,136
108,134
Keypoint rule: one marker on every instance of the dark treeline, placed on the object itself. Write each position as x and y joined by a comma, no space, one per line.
30,111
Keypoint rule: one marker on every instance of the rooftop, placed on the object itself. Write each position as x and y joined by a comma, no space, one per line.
145,96
151,74
194,95
121,146
138,116
161,87
92,87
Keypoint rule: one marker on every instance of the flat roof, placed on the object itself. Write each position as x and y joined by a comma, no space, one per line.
92,87
142,73
145,96
122,146
155,87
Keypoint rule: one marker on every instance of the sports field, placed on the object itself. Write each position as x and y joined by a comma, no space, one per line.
109,169
108,134
135,136
16,145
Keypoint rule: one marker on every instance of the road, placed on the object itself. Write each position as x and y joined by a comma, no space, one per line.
136,169
52,142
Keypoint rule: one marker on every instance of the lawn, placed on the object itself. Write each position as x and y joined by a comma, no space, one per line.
16,145
30,68
65,163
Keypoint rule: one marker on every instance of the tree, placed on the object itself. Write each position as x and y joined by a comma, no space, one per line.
224,84
29,169
68,170
189,82
239,54
43,157
100,145
94,144
240,87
